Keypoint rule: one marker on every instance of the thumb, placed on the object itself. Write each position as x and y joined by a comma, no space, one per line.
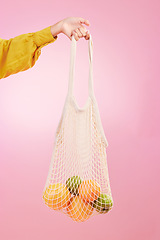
84,21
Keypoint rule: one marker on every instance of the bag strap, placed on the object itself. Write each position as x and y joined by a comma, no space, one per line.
72,66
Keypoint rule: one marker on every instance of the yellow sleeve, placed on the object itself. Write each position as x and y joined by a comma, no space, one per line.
20,53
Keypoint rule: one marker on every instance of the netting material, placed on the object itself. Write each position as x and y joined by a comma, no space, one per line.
78,181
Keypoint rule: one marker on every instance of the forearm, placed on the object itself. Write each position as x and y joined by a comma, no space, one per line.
56,28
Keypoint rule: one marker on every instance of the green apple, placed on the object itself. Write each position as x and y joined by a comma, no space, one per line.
73,184
103,203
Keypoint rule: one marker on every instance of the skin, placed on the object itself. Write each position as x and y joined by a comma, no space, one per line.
71,26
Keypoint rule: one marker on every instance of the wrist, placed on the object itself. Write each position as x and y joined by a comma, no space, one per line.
56,28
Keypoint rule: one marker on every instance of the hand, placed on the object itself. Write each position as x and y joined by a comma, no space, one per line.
72,26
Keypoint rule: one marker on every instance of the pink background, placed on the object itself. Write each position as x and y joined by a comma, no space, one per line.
126,40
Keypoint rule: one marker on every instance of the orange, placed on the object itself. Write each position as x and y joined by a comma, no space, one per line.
89,190
56,196
79,210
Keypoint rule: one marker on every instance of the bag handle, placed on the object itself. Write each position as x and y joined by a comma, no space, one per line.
72,66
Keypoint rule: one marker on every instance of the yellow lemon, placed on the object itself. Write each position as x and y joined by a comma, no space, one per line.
56,196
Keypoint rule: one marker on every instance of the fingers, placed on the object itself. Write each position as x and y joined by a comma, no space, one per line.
75,35
81,32
85,33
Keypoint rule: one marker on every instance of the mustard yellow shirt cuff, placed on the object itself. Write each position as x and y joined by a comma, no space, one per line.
44,37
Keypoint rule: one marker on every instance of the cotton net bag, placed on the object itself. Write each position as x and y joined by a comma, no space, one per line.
78,182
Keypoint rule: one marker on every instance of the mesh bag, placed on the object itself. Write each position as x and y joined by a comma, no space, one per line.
78,182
